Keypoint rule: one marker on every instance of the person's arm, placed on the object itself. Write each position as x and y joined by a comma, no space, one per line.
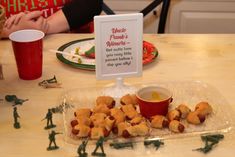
31,20
57,23
73,15
14,19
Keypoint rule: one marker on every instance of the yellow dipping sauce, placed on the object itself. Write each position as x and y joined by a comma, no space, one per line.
153,96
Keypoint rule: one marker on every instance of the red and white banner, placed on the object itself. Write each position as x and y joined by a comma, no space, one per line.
47,6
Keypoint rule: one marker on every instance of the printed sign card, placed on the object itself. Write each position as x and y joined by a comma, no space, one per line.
118,45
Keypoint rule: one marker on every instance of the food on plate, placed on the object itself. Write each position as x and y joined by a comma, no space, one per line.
198,116
195,118
204,108
98,119
173,115
159,122
118,115
109,122
91,52
126,120
83,120
121,127
128,99
97,132
88,50
73,123
141,129
83,112
129,111
81,130
176,126
101,108
137,120
107,100
184,110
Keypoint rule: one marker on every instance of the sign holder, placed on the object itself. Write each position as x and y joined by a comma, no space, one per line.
118,48
118,89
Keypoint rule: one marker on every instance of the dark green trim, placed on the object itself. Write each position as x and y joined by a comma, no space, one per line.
84,66
75,65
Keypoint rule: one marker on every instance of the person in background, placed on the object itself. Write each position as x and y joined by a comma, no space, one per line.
55,18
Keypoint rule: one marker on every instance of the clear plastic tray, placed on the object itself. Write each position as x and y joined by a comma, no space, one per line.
190,92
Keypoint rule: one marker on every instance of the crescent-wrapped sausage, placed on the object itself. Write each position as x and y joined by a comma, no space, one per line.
138,130
98,119
107,100
97,132
184,110
173,115
81,130
83,112
122,127
204,108
159,122
195,118
176,126
128,99
129,110
118,115
101,108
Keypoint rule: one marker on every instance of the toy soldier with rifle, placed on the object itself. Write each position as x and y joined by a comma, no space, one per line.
99,143
16,116
52,140
15,100
82,149
49,120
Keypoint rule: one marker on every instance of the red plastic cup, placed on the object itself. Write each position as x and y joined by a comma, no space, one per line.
28,46
153,100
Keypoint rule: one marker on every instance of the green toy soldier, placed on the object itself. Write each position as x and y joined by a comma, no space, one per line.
82,149
50,83
99,143
16,116
19,101
10,98
49,120
120,145
210,142
155,143
13,98
52,140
